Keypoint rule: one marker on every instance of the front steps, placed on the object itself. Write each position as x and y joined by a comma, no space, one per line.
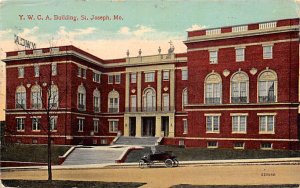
136,141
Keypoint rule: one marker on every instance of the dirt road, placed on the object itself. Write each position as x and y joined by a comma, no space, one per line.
166,177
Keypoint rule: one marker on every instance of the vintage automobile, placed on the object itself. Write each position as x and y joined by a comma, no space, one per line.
166,157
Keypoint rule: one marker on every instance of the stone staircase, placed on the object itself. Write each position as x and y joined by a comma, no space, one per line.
137,141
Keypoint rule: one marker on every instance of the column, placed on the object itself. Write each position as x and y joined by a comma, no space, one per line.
138,126
171,125
172,90
158,90
158,126
127,84
139,91
126,125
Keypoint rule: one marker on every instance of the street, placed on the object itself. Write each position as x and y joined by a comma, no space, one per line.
166,177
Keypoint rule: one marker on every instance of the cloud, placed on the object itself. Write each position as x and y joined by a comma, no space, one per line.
136,31
124,30
4,33
62,32
196,27
29,31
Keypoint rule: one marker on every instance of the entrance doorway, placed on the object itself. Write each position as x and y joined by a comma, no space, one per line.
165,125
132,126
148,128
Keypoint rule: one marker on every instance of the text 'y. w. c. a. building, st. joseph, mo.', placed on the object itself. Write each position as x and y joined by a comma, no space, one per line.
235,87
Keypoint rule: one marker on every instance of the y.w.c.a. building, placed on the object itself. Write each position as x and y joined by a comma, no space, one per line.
235,87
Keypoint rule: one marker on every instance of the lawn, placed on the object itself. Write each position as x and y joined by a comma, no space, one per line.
31,153
193,154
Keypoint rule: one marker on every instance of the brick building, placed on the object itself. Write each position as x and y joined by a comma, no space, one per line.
235,87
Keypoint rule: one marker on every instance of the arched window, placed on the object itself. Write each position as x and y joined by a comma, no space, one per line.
113,101
267,86
239,88
53,96
81,97
36,97
21,97
149,99
184,98
96,96
213,89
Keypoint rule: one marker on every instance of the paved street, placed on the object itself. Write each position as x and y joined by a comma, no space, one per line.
166,177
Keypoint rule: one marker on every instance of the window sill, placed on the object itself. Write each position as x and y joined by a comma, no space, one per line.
20,130
185,133
266,148
54,131
80,131
212,147
213,132
266,132
240,148
36,130
239,133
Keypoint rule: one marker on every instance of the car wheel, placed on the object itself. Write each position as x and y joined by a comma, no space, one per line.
175,162
168,163
142,164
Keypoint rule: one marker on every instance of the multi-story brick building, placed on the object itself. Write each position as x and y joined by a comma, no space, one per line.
236,87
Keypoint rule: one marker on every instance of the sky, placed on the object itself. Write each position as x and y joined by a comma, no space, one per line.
144,25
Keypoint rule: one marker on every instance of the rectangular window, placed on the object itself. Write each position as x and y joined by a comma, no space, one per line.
133,103
20,124
36,99
213,93
213,57
185,126
239,145
240,54
267,52
266,145
53,123
113,105
166,75
110,79
54,69
84,73
212,124
266,124
113,126
266,91
184,74
81,101
35,124
96,126
212,144
166,102
21,72
149,77
117,78
96,104
239,124
79,72
96,77
36,71
21,99
80,125
133,77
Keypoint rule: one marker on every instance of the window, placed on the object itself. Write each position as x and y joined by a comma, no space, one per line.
53,98
54,69
96,77
79,72
35,124
267,87
36,97
96,95
96,125
166,75
266,145
213,91
239,54
110,79
267,52
113,101
84,73
184,98
239,145
184,74
113,126
36,71
20,124
166,100
133,103
149,77
21,72
213,57
266,124
185,126
21,97
117,78
81,97
212,144
133,77
212,124
53,123
149,99
80,125
239,124
239,88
